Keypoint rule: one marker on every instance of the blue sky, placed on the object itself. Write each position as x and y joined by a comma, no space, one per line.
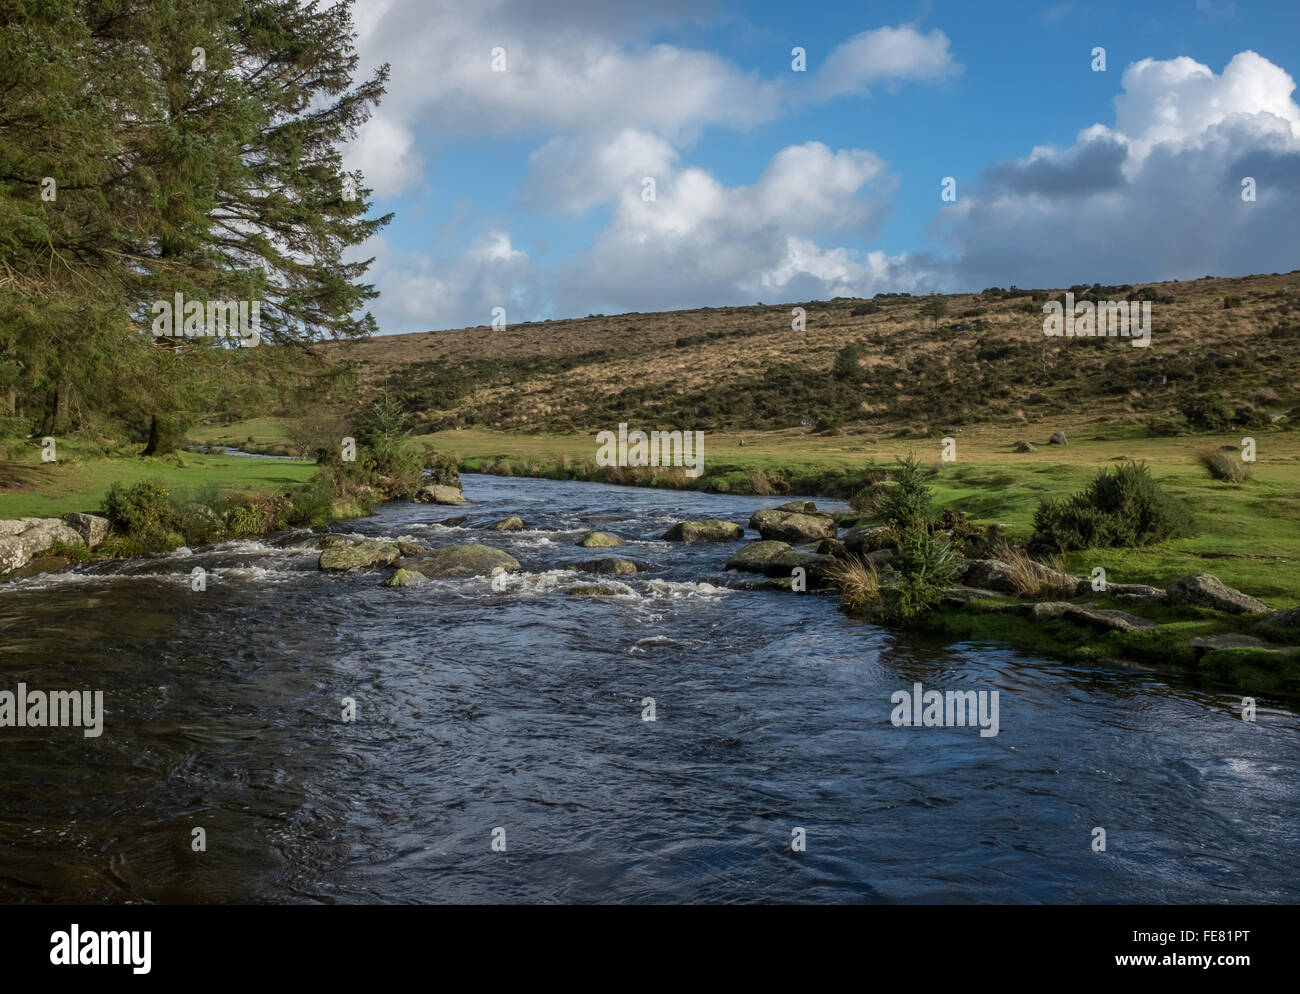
522,188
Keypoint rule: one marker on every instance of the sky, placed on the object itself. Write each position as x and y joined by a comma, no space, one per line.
559,158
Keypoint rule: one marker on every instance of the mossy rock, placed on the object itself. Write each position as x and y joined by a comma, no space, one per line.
704,530
510,524
599,540
457,561
615,567
404,578
363,554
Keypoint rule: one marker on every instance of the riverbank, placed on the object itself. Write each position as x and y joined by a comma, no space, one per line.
1247,536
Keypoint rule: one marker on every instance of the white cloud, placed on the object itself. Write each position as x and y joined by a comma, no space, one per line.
901,53
1157,196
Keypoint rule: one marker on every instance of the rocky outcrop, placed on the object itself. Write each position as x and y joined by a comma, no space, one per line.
788,526
510,524
1096,617
21,539
1231,640
989,574
1284,619
362,554
434,493
704,530
599,540
798,507
457,561
91,527
1204,590
615,567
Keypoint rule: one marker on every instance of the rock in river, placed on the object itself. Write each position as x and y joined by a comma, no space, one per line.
705,530
453,561
365,553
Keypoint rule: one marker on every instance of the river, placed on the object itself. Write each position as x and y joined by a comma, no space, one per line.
521,710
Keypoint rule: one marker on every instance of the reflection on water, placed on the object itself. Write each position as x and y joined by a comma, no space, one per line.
521,708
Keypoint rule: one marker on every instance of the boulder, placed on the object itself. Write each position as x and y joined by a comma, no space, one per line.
705,530
435,493
864,538
332,542
989,574
1058,438
788,526
364,553
1087,614
409,547
1204,590
595,591
457,522
1230,640
798,507
91,527
1023,446
510,524
456,561
832,547
403,578
773,558
1284,619
21,539
599,540
1133,593
616,567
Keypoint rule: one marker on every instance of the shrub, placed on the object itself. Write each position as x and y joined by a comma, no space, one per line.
925,565
1207,414
143,512
1224,465
906,504
846,365
1122,507
1231,301
309,504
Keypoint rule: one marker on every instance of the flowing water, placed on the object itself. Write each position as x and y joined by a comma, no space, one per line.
522,709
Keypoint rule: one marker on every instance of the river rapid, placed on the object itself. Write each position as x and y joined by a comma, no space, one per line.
517,714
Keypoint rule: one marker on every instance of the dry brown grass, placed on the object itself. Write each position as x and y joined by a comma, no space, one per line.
1224,465
858,580
1032,578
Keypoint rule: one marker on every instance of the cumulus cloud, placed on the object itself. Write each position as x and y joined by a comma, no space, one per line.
700,242
570,69
1156,196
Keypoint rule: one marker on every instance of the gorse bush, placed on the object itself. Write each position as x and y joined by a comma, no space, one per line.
1122,507
143,511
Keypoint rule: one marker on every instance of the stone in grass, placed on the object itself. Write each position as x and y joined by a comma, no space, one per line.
1023,446
704,530
1058,438
403,578
1204,590
599,540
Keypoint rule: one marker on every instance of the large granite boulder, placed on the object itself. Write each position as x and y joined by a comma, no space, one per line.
456,561
705,530
367,552
435,493
91,527
1204,590
21,539
790,526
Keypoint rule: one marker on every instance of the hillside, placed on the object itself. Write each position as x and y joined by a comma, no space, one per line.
987,362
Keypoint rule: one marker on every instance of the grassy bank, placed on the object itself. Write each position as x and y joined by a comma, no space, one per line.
1247,535
80,479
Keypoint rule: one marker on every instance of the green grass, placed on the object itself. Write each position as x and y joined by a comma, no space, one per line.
79,482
